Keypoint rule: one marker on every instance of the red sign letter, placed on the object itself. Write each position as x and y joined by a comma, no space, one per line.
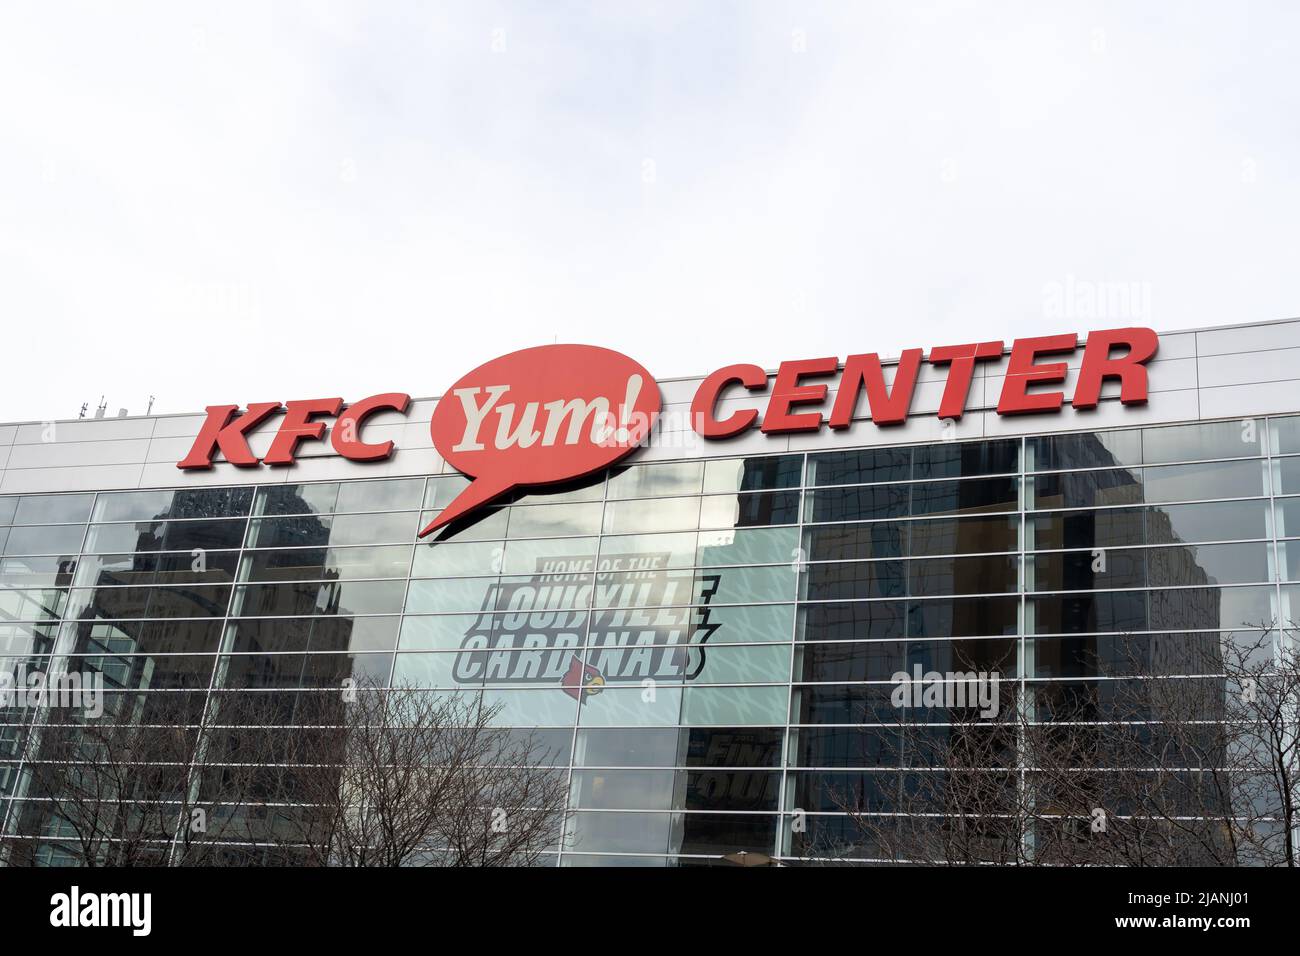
220,432
1130,369
887,407
298,426
787,391
960,360
706,400
347,431
1021,372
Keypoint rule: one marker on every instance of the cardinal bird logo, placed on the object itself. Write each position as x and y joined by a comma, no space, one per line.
582,680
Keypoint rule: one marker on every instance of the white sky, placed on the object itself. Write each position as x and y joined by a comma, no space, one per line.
228,202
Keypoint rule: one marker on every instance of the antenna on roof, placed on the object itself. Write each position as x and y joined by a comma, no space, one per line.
103,406
150,408
82,413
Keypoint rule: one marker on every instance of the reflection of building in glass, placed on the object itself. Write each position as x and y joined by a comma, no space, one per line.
707,646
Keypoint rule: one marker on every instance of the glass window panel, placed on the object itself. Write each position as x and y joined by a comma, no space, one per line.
554,521
186,503
279,532
1211,608
430,671
875,620
971,496
37,572
860,467
186,567
653,587
7,508
373,528
850,580
1092,655
1291,552
543,593
53,509
107,602
963,617
658,480
443,489
331,670
713,834
753,474
480,526
211,534
440,632
748,546
283,635
595,832
1087,489
451,594
733,746
735,706
1096,450
306,564
550,555
356,634
972,535
743,665
151,672
309,499
860,503
1220,479
196,600
847,747
387,495
328,597
730,790
751,510
981,575
591,488
1102,528
652,514
1287,431
1209,564
1087,571
963,459
1209,521
752,623
656,747
747,585
22,640
530,708
1089,612
676,550
51,539
842,662
1237,438
625,789
627,707
458,558
32,604
1288,470
850,542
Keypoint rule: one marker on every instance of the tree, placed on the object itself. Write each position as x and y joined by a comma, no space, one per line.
404,777
1182,751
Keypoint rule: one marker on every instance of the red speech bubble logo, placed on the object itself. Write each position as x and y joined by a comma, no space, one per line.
540,416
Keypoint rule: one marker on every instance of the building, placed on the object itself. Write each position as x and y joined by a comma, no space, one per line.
706,630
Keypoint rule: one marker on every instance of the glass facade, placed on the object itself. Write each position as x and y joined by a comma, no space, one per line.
706,647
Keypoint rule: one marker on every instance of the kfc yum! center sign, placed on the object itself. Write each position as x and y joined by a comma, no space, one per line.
556,413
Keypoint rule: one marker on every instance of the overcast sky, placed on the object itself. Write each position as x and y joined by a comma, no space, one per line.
220,202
